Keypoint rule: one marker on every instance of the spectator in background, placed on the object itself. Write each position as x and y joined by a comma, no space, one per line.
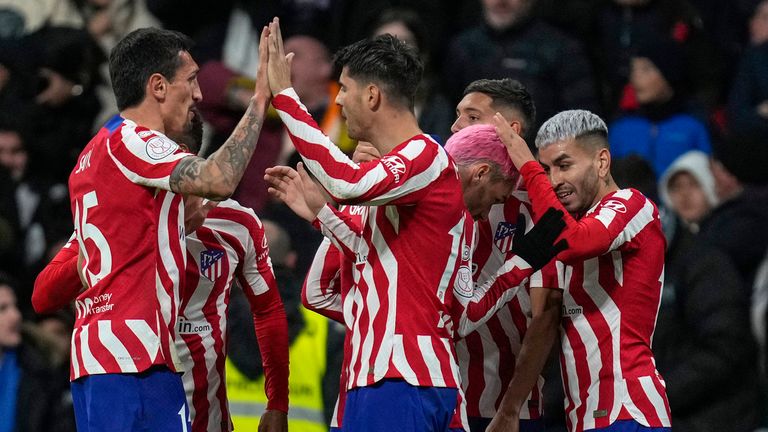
30,393
512,43
737,225
315,351
703,344
636,172
433,111
624,25
37,209
748,99
661,129
687,189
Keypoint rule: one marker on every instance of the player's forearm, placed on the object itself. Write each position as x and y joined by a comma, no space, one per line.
536,345
271,328
57,285
217,177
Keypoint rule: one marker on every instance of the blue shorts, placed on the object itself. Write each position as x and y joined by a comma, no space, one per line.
479,424
395,405
152,400
631,426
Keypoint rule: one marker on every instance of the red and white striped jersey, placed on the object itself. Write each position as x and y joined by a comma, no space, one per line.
229,247
130,229
407,261
612,273
329,279
487,356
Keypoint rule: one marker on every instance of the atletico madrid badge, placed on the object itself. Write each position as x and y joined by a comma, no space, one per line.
505,233
210,263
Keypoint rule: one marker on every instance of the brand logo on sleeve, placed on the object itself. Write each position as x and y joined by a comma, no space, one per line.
395,165
505,233
159,148
211,263
616,206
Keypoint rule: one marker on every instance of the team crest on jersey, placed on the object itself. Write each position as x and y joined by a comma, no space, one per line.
211,263
505,233
395,165
616,206
463,285
159,147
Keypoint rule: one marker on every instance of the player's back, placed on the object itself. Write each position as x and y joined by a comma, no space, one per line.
131,231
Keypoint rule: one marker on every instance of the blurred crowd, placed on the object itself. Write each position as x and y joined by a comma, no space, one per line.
683,84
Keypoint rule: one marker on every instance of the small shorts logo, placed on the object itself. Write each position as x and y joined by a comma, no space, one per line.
159,148
463,285
616,206
395,165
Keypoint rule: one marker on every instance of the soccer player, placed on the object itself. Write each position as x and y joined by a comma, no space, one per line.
612,272
522,333
126,200
403,359
229,246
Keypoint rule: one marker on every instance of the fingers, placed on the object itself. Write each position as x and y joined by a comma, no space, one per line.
289,59
264,45
279,37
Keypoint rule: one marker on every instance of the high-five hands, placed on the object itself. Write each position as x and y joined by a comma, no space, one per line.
279,68
296,189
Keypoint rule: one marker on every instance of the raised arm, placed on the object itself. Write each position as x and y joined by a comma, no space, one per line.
217,177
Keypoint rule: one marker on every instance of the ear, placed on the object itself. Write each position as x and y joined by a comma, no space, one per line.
603,162
516,126
157,86
374,97
480,171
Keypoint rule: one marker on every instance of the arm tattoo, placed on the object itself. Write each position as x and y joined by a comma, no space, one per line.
218,176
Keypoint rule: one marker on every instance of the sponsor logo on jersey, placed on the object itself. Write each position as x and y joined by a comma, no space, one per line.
505,233
211,263
616,206
159,148
571,310
94,305
184,326
463,285
395,165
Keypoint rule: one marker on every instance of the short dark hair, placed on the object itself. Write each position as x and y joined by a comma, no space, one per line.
508,93
385,61
140,54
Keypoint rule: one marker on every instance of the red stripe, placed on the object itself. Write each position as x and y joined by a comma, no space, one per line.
475,369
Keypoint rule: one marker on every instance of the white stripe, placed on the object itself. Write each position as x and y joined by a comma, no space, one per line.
454,364
491,366
168,305
161,183
656,399
115,347
634,226
90,363
458,243
414,183
146,336
351,311
389,262
399,358
430,359
335,229
75,348
569,358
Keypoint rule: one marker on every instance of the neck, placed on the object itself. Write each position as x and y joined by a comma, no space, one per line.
146,116
393,128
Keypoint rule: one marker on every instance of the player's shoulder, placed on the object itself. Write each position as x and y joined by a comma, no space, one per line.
624,200
233,211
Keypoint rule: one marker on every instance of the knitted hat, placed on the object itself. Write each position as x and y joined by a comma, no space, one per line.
665,54
745,155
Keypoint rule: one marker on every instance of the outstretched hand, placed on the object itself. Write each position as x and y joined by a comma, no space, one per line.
516,146
296,189
279,69
537,247
262,89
